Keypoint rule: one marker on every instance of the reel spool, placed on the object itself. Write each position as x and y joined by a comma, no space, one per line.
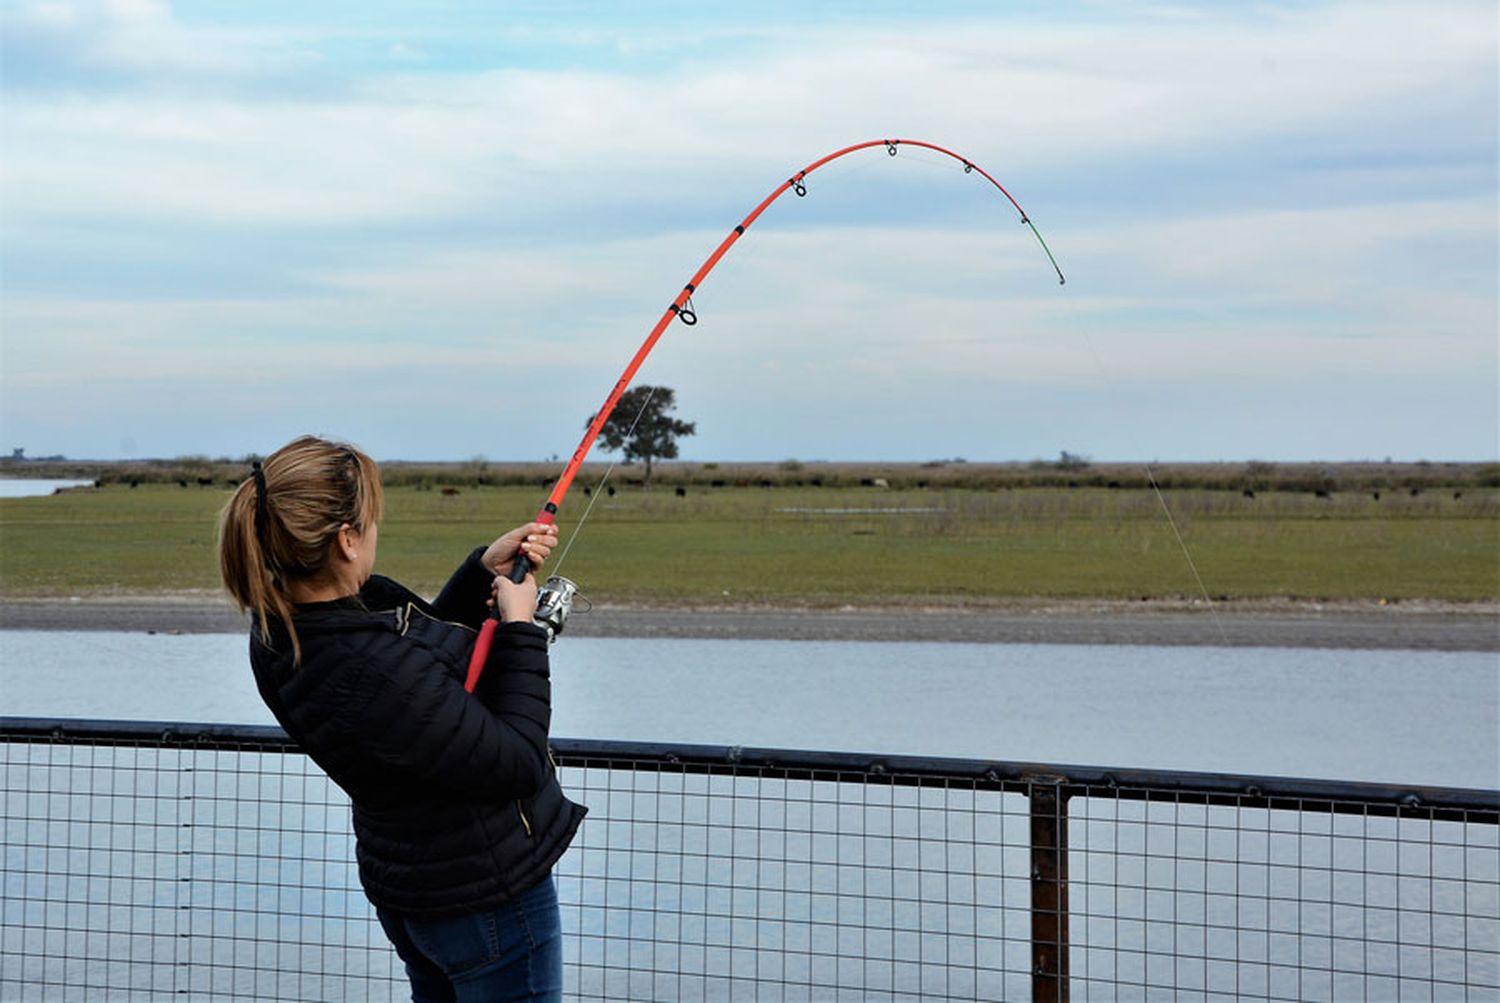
554,601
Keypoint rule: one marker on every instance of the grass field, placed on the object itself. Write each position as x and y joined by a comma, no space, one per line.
818,545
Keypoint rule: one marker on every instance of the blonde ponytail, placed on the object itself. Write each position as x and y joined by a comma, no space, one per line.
280,525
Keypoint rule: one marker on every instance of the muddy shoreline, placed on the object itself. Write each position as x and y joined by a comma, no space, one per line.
1409,625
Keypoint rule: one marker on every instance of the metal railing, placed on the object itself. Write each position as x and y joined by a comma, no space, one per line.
211,862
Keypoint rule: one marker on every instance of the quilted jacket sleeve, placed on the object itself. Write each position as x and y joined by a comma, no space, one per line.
463,597
411,717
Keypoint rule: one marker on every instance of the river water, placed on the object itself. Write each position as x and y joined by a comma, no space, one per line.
1399,717
244,862
32,487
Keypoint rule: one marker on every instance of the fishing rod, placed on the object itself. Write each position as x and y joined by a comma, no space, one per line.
555,600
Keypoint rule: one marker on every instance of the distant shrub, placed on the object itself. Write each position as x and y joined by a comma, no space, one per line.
1259,475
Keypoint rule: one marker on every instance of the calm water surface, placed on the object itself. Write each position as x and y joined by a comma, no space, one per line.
1383,716
260,888
30,487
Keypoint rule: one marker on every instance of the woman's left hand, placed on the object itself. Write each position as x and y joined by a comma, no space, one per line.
534,540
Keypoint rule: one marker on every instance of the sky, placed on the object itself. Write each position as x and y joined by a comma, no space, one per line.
441,230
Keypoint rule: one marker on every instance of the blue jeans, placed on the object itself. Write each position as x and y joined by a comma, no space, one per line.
511,952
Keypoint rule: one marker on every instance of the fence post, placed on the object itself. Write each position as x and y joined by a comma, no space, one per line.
1049,888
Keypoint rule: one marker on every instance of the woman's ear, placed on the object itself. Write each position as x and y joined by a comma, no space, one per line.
348,542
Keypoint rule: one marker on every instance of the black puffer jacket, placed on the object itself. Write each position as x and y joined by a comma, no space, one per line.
456,803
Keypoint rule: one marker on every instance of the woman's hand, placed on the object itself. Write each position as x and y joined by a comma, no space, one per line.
534,540
515,602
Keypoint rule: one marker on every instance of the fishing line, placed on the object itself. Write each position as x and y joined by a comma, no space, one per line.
599,488
1161,499
929,161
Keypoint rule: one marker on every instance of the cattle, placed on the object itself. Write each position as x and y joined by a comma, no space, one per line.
450,492
682,492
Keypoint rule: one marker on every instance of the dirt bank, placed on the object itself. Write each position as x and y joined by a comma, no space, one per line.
1406,625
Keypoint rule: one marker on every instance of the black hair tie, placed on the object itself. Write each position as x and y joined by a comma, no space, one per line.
260,502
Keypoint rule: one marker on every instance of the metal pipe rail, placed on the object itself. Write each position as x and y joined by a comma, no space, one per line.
707,867
1246,790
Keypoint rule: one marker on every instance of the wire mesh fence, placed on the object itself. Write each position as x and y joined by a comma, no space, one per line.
149,868
1295,897
142,861
753,881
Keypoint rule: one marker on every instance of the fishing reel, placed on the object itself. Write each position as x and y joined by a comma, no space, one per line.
554,601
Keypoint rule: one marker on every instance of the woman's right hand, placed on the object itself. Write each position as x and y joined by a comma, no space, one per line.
515,602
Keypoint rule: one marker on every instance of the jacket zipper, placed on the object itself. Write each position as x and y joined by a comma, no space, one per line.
525,822
403,620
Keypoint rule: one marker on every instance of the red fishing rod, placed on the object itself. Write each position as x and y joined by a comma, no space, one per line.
682,309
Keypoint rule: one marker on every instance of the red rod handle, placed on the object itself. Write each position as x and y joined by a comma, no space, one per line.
519,569
481,653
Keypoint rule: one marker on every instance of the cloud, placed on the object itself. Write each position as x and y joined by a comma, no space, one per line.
396,146
81,46
1361,259
404,53
1215,296
1237,195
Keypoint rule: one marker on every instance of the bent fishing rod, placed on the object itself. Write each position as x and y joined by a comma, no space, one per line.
556,599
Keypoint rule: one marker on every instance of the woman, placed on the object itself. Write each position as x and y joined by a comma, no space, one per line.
458,815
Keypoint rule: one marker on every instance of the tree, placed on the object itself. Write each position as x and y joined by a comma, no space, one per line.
642,426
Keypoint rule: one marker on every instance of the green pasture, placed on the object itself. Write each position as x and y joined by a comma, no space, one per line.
827,545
